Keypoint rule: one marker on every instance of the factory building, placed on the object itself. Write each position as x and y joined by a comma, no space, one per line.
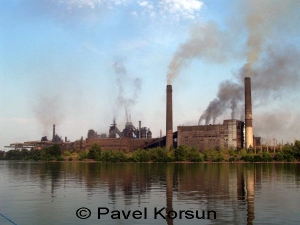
230,134
217,136
129,139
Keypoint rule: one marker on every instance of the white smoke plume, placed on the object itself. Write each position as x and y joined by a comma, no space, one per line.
128,89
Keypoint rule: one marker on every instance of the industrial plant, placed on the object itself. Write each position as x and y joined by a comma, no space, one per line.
231,133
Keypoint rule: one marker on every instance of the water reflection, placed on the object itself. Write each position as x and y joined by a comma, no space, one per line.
228,189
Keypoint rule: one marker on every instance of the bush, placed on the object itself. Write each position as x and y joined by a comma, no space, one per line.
70,158
180,153
95,152
160,155
51,153
60,158
266,157
213,155
141,156
67,153
232,159
112,156
218,158
193,155
82,156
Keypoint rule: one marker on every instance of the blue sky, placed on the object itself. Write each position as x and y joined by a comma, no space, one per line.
58,58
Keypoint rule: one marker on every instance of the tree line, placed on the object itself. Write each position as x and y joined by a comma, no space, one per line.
288,153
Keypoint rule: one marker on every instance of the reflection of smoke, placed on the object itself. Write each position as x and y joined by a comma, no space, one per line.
126,98
49,111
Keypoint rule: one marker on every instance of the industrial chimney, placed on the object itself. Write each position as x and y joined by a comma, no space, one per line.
248,114
169,118
140,127
53,132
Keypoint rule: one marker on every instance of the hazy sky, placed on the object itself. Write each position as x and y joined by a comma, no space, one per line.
80,63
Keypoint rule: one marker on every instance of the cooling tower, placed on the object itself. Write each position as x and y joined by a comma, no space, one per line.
169,118
248,114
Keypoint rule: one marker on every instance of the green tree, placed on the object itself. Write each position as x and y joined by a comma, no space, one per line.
159,155
193,155
95,152
35,154
180,153
141,156
13,155
51,153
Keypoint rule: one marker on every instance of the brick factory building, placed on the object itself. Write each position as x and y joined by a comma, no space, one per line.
217,136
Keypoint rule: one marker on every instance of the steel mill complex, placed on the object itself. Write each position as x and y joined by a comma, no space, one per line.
229,134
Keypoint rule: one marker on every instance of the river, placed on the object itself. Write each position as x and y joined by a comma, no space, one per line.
148,193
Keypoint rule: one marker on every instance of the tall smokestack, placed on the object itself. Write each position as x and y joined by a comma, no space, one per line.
140,128
169,119
248,114
53,132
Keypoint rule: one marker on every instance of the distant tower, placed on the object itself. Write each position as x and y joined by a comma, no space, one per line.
169,118
248,114
53,137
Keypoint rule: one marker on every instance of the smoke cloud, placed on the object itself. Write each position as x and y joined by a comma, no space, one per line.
206,42
128,89
271,64
49,110
269,49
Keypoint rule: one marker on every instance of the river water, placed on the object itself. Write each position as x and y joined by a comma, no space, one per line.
132,193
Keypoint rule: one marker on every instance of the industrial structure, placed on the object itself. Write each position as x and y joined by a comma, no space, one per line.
248,114
203,137
230,134
169,118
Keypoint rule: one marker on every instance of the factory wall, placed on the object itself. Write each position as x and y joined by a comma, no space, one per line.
226,135
114,144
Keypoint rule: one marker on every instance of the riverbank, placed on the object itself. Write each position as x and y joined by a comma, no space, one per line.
182,154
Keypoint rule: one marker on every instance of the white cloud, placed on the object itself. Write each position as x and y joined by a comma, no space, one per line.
181,8
178,9
134,13
143,3
94,3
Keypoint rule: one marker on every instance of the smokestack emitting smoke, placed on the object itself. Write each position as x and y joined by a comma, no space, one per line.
270,50
169,118
140,128
248,114
53,132
133,85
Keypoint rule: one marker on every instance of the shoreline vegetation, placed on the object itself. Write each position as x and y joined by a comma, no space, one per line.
184,154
